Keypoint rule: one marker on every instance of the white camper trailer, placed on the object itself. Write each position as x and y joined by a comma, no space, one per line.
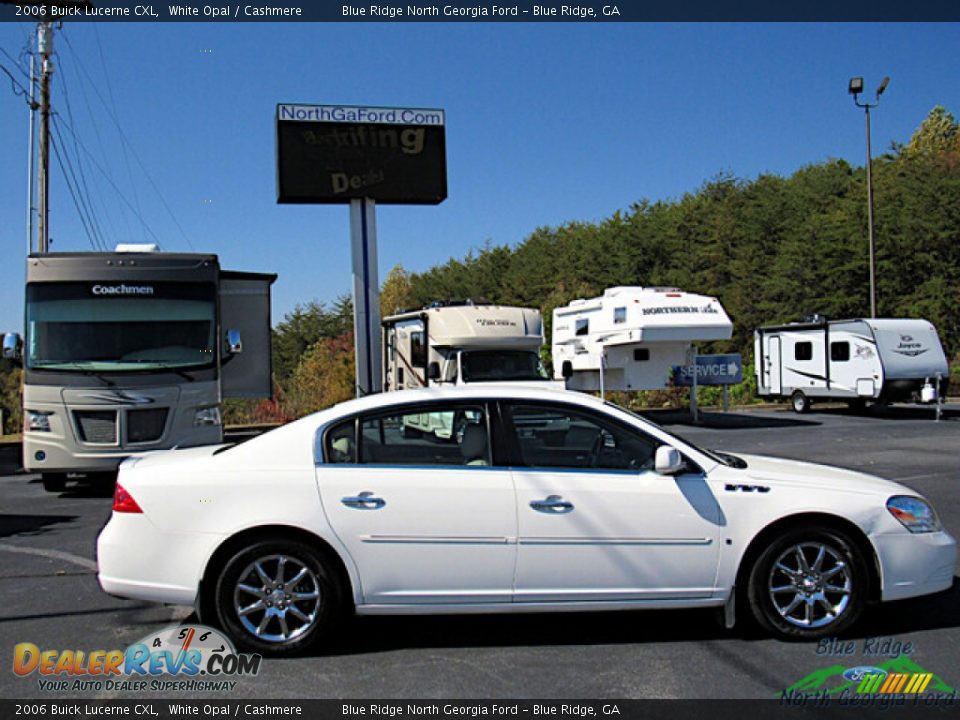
459,343
635,335
859,360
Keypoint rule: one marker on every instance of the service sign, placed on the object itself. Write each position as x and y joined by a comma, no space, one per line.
711,370
335,153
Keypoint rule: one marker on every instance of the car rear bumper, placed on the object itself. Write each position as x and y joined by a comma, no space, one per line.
913,564
135,560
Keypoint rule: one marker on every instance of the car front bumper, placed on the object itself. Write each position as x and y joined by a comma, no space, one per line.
913,564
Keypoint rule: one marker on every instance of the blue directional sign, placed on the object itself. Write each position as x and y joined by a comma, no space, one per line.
711,370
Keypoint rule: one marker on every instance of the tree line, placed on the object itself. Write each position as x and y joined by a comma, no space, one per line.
772,249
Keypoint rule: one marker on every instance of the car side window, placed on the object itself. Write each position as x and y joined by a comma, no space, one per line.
445,435
550,436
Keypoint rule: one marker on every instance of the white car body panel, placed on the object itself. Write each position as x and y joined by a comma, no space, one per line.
463,539
447,534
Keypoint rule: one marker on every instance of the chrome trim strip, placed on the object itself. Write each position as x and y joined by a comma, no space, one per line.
612,541
439,539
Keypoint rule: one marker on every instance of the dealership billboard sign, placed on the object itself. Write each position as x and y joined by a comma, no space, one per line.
338,153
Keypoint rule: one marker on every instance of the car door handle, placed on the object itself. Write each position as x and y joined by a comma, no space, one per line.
364,501
553,504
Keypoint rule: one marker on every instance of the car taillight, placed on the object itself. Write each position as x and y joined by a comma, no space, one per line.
124,502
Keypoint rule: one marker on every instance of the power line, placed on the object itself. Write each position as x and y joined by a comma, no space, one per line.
80,213
96,133
83,186
107,177
112,110
126,142
16,85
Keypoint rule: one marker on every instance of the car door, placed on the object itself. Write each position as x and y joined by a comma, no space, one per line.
425,515
595,522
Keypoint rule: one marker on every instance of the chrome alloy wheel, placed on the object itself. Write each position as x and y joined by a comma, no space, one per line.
810,585
277,598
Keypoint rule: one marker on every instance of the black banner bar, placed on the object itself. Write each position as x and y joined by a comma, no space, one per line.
878,707
576,11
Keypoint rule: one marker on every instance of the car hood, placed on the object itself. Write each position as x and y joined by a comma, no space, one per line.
778,471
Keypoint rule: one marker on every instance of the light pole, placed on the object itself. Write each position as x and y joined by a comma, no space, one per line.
855,88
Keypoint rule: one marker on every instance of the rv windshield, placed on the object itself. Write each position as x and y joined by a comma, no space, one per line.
120,326
496,365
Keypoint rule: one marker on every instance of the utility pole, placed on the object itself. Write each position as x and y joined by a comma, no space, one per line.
45,49
31,187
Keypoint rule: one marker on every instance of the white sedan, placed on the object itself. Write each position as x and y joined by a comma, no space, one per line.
530,500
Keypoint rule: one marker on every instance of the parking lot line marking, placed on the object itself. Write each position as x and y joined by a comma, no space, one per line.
53,554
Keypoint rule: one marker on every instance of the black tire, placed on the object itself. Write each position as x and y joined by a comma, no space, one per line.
54,482
772,592
321,612
799,402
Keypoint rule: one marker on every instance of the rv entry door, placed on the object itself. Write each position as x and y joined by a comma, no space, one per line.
773,369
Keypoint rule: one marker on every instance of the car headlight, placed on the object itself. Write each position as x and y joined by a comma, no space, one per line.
914,514
207,416
38,421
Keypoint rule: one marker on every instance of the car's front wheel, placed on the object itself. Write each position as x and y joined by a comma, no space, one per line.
276,597
808,583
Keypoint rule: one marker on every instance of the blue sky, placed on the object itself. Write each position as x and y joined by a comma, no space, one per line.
546,123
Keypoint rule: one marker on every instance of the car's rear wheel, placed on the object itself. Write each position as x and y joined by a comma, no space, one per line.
808,583
276,597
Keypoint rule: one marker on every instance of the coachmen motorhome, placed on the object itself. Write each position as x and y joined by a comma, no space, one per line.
458,343
859,360
131,351
634,334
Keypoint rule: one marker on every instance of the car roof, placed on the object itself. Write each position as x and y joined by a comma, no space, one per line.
486,391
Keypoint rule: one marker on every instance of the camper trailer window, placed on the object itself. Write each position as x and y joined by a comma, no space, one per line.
641,354
840,351
619,315
803,351
418,350
582,327
558,437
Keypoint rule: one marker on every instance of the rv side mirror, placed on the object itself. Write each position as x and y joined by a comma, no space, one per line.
567,370
12,345
668,460
234,343
433,371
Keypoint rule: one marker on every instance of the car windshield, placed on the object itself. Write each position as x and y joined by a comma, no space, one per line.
494,365
113,326
723,458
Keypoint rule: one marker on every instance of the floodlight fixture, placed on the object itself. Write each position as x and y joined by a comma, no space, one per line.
856,86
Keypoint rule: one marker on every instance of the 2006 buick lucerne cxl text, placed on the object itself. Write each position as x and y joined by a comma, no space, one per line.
505,499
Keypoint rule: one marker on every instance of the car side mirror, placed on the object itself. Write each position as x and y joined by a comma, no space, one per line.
234,343
668,460
12,345
433,371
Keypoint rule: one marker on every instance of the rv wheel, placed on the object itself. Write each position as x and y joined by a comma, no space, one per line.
800,402
54,482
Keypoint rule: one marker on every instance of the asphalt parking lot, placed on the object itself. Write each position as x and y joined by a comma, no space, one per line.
51,597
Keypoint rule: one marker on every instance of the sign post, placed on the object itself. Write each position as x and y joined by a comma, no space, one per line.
362,155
